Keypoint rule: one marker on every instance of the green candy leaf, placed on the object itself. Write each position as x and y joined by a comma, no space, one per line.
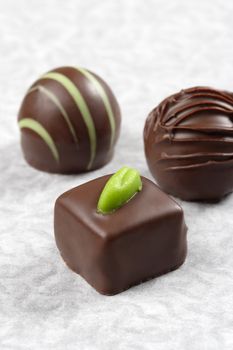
119,189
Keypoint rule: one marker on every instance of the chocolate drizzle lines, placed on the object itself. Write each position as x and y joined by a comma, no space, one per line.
185,118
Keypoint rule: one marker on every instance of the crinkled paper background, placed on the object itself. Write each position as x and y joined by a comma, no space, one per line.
145,50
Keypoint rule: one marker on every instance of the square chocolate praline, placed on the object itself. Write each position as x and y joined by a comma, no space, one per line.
143,239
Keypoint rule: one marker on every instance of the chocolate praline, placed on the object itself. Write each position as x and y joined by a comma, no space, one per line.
69,121
143,239
188,143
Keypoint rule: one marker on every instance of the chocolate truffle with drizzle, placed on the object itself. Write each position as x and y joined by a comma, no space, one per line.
188,142
69,121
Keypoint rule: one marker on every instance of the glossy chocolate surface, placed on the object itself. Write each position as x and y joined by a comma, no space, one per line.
143,239
76,122
188,142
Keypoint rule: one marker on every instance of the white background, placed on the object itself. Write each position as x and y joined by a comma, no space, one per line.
145,50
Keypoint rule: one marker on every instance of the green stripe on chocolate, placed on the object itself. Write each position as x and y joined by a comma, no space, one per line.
82,106
42,132
62,110
104,98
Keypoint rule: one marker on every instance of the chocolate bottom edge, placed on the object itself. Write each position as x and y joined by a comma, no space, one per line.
57,170
173,268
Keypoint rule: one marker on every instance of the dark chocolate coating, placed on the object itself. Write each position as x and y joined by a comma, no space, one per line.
188,142
57,102
143,239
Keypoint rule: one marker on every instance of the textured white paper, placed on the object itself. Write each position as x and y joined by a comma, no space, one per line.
145,50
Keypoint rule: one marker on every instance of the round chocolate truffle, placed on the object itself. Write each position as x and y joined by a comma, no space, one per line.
188,142
69,121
